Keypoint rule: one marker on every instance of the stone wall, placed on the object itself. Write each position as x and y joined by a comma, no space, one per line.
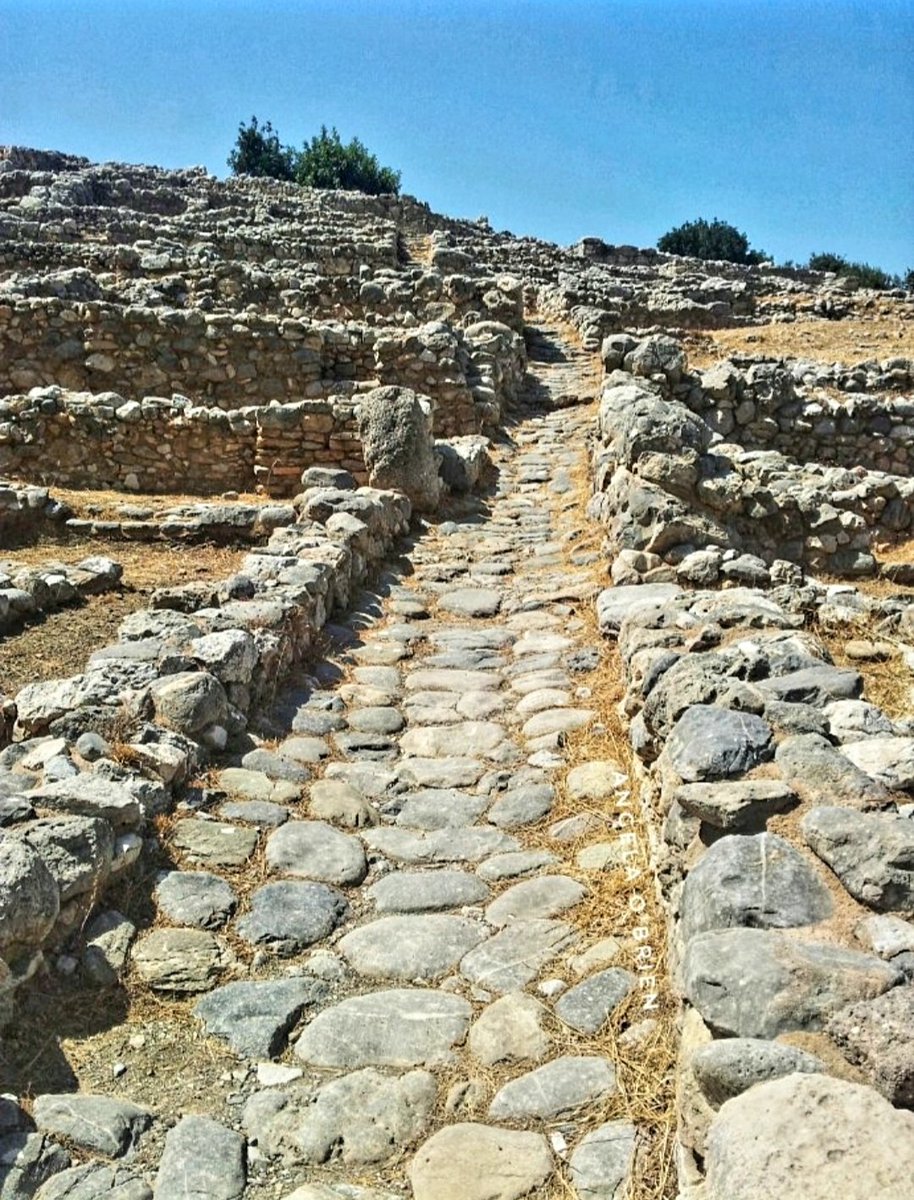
100,753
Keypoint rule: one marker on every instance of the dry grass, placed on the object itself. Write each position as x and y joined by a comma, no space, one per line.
850,341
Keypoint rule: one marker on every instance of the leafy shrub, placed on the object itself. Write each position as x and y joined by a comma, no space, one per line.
715,240
325,162
862,273
259,152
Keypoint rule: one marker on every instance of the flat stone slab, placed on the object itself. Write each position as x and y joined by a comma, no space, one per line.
511,959
544,896
555,1090
810,1136
304,749
469,844
92,1180
615,604
288,916
104,1124
820,774
202,1160
511,864
599,779
262,813
399,1027
453,772
601,1163
477,1162
760,983
214,843
410,947
587,1006
471,602
735,804
477,738
557,720
426,891
442,679
441,808
255,1017
316,850
180,960
256,785
364,1117
195,898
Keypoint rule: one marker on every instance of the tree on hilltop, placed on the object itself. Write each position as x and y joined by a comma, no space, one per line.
324,162
258,151
861,273
710,240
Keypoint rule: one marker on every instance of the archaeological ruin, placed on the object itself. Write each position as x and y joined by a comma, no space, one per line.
456,725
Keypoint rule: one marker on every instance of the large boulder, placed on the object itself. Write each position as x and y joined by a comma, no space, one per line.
395,425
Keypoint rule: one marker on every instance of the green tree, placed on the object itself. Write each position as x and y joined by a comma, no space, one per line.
326,162
908,279
258,151
863,274
710,240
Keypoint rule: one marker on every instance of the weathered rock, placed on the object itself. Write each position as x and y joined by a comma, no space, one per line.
180,960
108,939
760,983
554,1091
510,1029
92,1180
27,1160
105,1124
255,1017
29,896
189,701
587,1006
195,898
810,1136
317,851
820,774
713,743
402,1027
888,760
288,916
871,853
426,891
395,427
876,1035
545,896
477,1162
601,1163
735,803
202,1160
410,947
758,881
214,843
510,959
730,1066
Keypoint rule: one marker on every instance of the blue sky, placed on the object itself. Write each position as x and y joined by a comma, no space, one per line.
792,120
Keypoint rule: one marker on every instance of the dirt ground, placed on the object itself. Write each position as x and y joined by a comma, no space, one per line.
59,644
847,342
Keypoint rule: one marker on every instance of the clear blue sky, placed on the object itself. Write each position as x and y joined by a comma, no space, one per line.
792,119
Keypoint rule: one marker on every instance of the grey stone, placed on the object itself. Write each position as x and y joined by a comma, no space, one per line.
426,891
261,813
400,1027
820,774
614,605
440,808
214,843
510,1029
871,853
340,803
888,760
92,1180
27,1160
477,1162
180,960
544,896
515,863
522,806
29,897
761,983
395,427
599,779
440,845
587,1006
105,1124
202,1160
365,1117
445,772
886,936
304,750
255,1017
317,851
288,916
240,782
376,720
759,881
814,685
876,1036
600,1166
851,720
512,958
189,701
730,1066
89,795
471,602
480,738
713,743
813,1137
108,939
735,804
410,947
195,898
554,1091
275,766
